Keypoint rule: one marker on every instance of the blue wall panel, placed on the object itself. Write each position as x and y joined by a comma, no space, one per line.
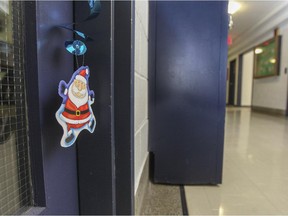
188,91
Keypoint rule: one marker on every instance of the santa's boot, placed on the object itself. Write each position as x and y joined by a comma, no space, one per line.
92,124
70,136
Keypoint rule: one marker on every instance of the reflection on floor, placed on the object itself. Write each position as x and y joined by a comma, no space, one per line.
162,200
255,174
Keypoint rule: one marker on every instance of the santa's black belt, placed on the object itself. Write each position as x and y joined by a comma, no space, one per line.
77,112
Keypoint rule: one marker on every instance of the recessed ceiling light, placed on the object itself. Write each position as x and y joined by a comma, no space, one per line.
233,7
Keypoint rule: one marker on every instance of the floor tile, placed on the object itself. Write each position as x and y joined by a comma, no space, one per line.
255,174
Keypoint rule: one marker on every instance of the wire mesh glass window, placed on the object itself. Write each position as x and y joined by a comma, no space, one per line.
15,181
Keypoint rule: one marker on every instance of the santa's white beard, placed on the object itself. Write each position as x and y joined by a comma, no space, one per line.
75,100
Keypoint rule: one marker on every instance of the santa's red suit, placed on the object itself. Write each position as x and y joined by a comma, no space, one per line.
76,117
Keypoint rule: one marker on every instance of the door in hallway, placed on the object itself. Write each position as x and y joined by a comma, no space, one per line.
232,70
187,90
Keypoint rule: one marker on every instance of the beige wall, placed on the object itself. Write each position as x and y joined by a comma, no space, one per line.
141,88
271,92
247,78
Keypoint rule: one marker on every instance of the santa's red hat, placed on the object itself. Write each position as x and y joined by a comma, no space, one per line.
82,76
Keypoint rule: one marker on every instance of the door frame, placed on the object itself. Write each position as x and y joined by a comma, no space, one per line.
47,158
32,91
121,123
113,61
240,78
234,81
286,71
239,87
124,28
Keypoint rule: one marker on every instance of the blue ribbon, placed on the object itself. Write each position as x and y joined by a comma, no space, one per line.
78,47
95,8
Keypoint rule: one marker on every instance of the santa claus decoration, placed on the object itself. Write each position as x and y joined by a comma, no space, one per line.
75,113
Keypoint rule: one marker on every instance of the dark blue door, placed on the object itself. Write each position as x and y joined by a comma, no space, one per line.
187,89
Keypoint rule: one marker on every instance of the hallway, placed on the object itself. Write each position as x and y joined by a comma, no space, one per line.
255,173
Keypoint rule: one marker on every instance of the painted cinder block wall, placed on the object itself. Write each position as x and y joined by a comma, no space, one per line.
141,89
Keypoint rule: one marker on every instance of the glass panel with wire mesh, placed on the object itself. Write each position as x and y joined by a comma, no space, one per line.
15,178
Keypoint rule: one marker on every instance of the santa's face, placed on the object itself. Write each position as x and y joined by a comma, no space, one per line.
79,89
78,93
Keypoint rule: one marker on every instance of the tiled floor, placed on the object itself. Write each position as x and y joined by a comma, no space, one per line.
255,174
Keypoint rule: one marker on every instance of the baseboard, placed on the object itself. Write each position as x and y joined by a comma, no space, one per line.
270,111
142,188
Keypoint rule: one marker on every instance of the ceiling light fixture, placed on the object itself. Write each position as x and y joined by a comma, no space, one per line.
230,22
233,7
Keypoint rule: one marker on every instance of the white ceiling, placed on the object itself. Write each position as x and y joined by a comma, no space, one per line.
251,15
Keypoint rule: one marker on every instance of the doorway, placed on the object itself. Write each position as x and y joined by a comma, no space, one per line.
232,71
